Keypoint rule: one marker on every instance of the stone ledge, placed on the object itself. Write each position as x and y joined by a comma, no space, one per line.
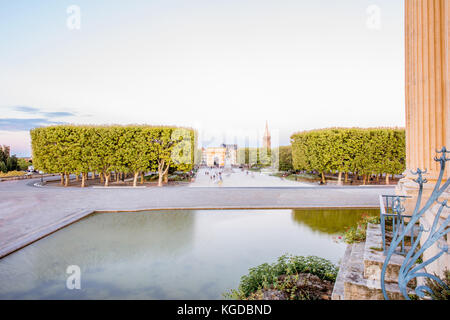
352,283
338,290
356,287
374,259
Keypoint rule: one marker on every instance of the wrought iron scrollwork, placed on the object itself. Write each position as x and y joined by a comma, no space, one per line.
412,267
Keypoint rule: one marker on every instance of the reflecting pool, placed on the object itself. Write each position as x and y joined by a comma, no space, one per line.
168,254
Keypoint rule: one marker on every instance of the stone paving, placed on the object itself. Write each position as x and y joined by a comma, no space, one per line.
242,178
28,212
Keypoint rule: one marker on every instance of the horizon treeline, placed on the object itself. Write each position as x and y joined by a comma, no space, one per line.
135,149
357,150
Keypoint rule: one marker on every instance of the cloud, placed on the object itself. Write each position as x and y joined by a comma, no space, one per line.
26,109
37,111
15,124
57,114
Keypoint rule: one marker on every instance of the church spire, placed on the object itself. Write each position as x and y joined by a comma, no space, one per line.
266,138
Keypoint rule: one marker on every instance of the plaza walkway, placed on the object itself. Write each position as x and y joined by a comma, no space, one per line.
240,178
28,213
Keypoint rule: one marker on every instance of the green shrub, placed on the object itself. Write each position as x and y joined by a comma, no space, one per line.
354,235
267,274
358,233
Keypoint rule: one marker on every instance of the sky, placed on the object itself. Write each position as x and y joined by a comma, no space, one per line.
223,67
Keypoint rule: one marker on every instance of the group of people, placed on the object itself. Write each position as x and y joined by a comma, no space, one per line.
214,176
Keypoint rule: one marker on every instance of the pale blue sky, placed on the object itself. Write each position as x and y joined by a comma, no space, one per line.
224,67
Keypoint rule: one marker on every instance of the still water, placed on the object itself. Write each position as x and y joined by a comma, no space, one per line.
168,254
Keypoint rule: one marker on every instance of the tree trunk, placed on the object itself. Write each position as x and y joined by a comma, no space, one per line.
142,177
107,176
117,176
102,174
83,180
166,178
324,181
135,179
346,177
364,179
340,179
160,179
387,179
66,182
77,177
62,179
162,172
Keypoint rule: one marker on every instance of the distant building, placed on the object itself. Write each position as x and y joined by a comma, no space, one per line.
267,138
215,157
204,157
221,156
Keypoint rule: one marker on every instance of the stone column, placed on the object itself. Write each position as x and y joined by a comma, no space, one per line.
427,39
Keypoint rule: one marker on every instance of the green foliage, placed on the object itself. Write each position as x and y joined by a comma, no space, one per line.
3,167
22,164
366,151
358,233
440,291
267,274
11,163
130,149
354,235
4,153
285,158
8,162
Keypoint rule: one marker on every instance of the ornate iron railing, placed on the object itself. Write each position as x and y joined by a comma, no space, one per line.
391,210
413,267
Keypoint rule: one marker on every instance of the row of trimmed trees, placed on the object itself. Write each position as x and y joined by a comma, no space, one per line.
70,149
359,151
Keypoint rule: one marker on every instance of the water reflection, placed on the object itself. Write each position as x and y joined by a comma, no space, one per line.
97,244
330,221
167,254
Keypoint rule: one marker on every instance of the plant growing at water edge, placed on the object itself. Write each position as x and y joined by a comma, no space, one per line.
267,275
358,233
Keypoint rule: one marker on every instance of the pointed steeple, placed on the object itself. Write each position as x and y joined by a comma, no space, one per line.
266,138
